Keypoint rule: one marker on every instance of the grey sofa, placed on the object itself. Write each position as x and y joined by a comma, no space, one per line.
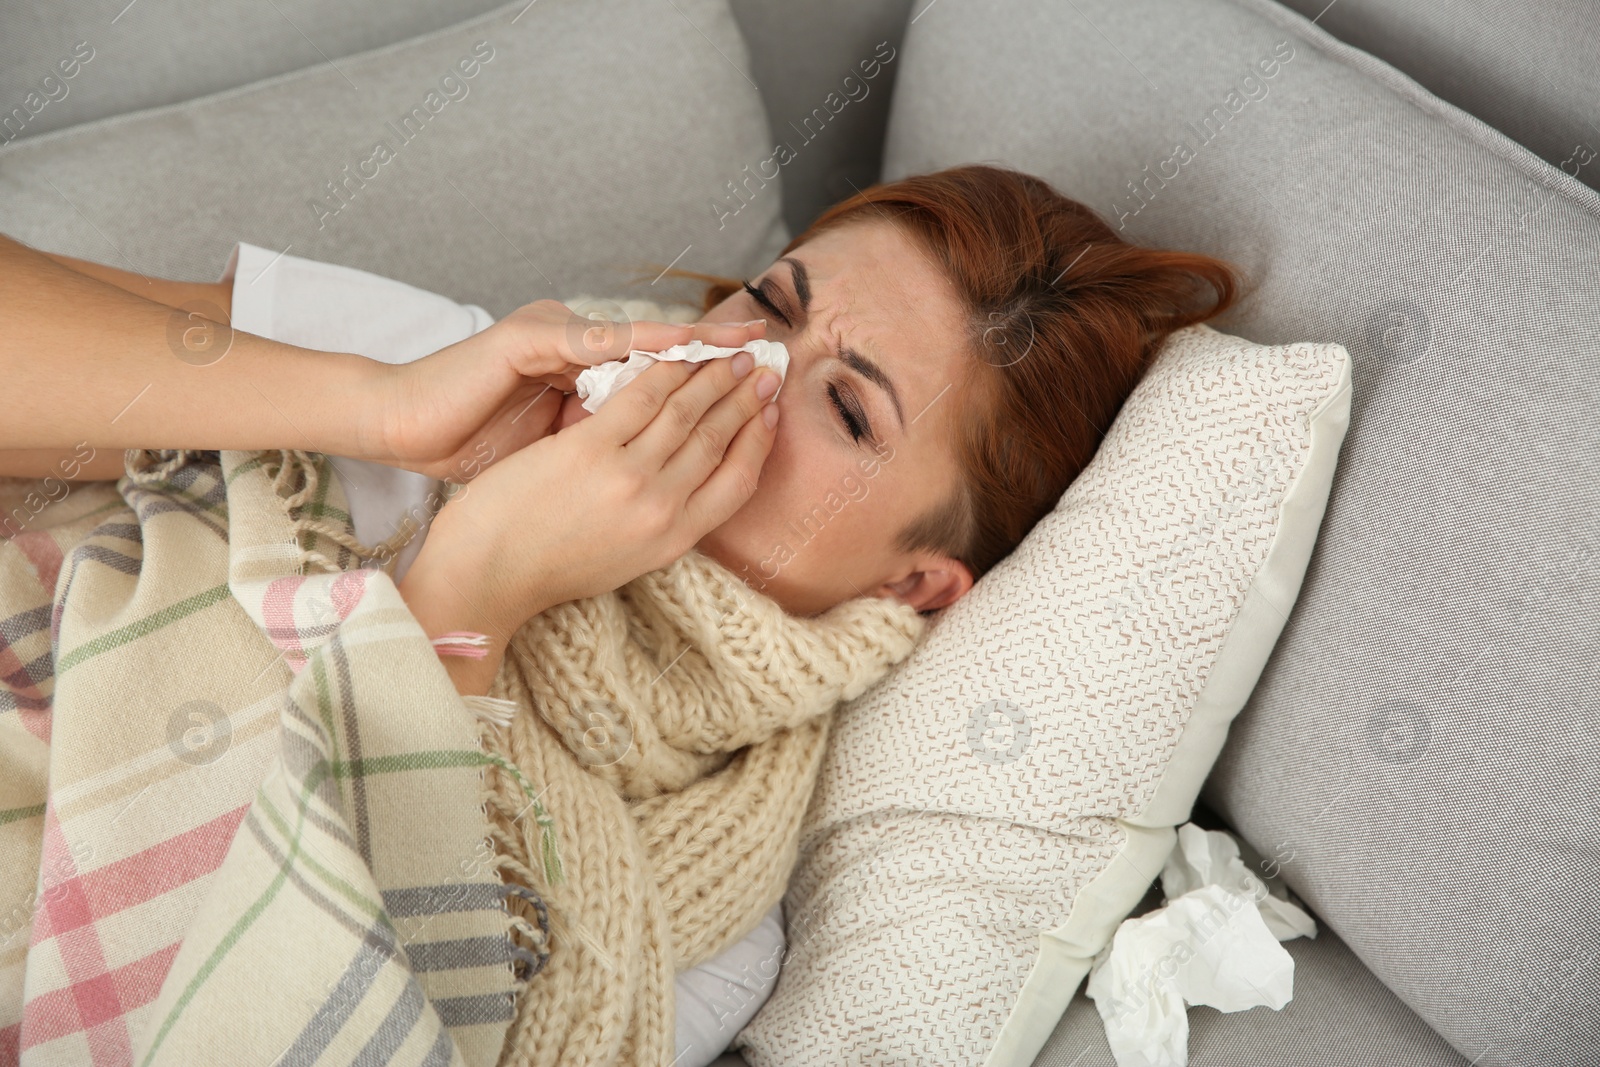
1419,752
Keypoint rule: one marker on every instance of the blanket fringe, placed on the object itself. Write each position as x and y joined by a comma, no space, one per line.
530,919
492,710
150,466
296,480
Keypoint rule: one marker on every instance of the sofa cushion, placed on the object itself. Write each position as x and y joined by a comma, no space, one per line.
132,55
1527,70
1418,755
496,162
1340,1014
988,814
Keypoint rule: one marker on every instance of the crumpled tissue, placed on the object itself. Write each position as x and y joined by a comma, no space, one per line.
599,383
1215,942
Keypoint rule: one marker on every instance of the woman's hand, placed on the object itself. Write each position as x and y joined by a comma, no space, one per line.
453,412
584,511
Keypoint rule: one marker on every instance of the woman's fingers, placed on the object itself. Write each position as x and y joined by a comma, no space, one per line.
682,418
727,334
704,447
547,337
734,479
572,410
626,415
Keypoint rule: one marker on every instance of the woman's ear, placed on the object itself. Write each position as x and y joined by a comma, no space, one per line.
938,582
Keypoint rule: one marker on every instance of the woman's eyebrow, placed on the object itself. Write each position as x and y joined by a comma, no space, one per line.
851,358
802,281
874,374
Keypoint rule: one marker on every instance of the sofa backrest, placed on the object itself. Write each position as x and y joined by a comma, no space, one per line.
439,172
1528,70
808,60
62,64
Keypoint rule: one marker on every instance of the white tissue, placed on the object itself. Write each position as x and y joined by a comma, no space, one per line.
600,382
1215,942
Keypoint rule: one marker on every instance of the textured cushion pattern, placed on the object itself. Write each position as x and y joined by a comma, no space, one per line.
1414,755
987,815
543,173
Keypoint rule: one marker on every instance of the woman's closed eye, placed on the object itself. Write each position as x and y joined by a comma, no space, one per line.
761,298
840,395
844,401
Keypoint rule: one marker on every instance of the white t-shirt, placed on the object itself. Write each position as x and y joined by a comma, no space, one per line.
340,309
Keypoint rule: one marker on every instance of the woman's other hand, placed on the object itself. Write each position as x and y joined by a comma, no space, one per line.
455,411
616,495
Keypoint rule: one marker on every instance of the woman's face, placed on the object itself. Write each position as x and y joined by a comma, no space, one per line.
873,328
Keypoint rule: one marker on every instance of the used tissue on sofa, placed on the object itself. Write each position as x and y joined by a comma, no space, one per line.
1215,942
600,382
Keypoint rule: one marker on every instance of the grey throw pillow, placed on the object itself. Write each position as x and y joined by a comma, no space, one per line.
527,153
63,61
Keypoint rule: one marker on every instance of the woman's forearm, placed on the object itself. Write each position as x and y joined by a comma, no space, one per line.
86,361
108,464
69,465
161,290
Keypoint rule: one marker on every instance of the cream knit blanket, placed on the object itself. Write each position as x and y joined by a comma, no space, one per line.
674,730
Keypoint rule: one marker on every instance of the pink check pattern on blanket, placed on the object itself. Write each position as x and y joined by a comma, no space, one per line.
240,807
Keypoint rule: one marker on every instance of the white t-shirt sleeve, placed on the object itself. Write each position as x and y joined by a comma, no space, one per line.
341,309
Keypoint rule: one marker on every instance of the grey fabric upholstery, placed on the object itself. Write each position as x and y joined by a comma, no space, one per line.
1340,1015
549,175
1528,70
1418,755
799,53
151,52
160,52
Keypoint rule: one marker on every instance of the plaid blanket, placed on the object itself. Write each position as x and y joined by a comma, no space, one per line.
240,807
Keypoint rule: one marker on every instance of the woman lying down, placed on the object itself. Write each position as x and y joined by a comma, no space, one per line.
958,343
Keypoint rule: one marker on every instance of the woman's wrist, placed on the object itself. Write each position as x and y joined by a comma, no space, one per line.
442,604
337,392
439,614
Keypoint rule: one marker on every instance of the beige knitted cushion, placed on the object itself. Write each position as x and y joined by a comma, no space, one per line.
989,813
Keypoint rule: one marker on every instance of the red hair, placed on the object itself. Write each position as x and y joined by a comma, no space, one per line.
1064,317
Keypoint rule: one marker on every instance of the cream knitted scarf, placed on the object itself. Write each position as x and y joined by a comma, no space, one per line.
673,731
